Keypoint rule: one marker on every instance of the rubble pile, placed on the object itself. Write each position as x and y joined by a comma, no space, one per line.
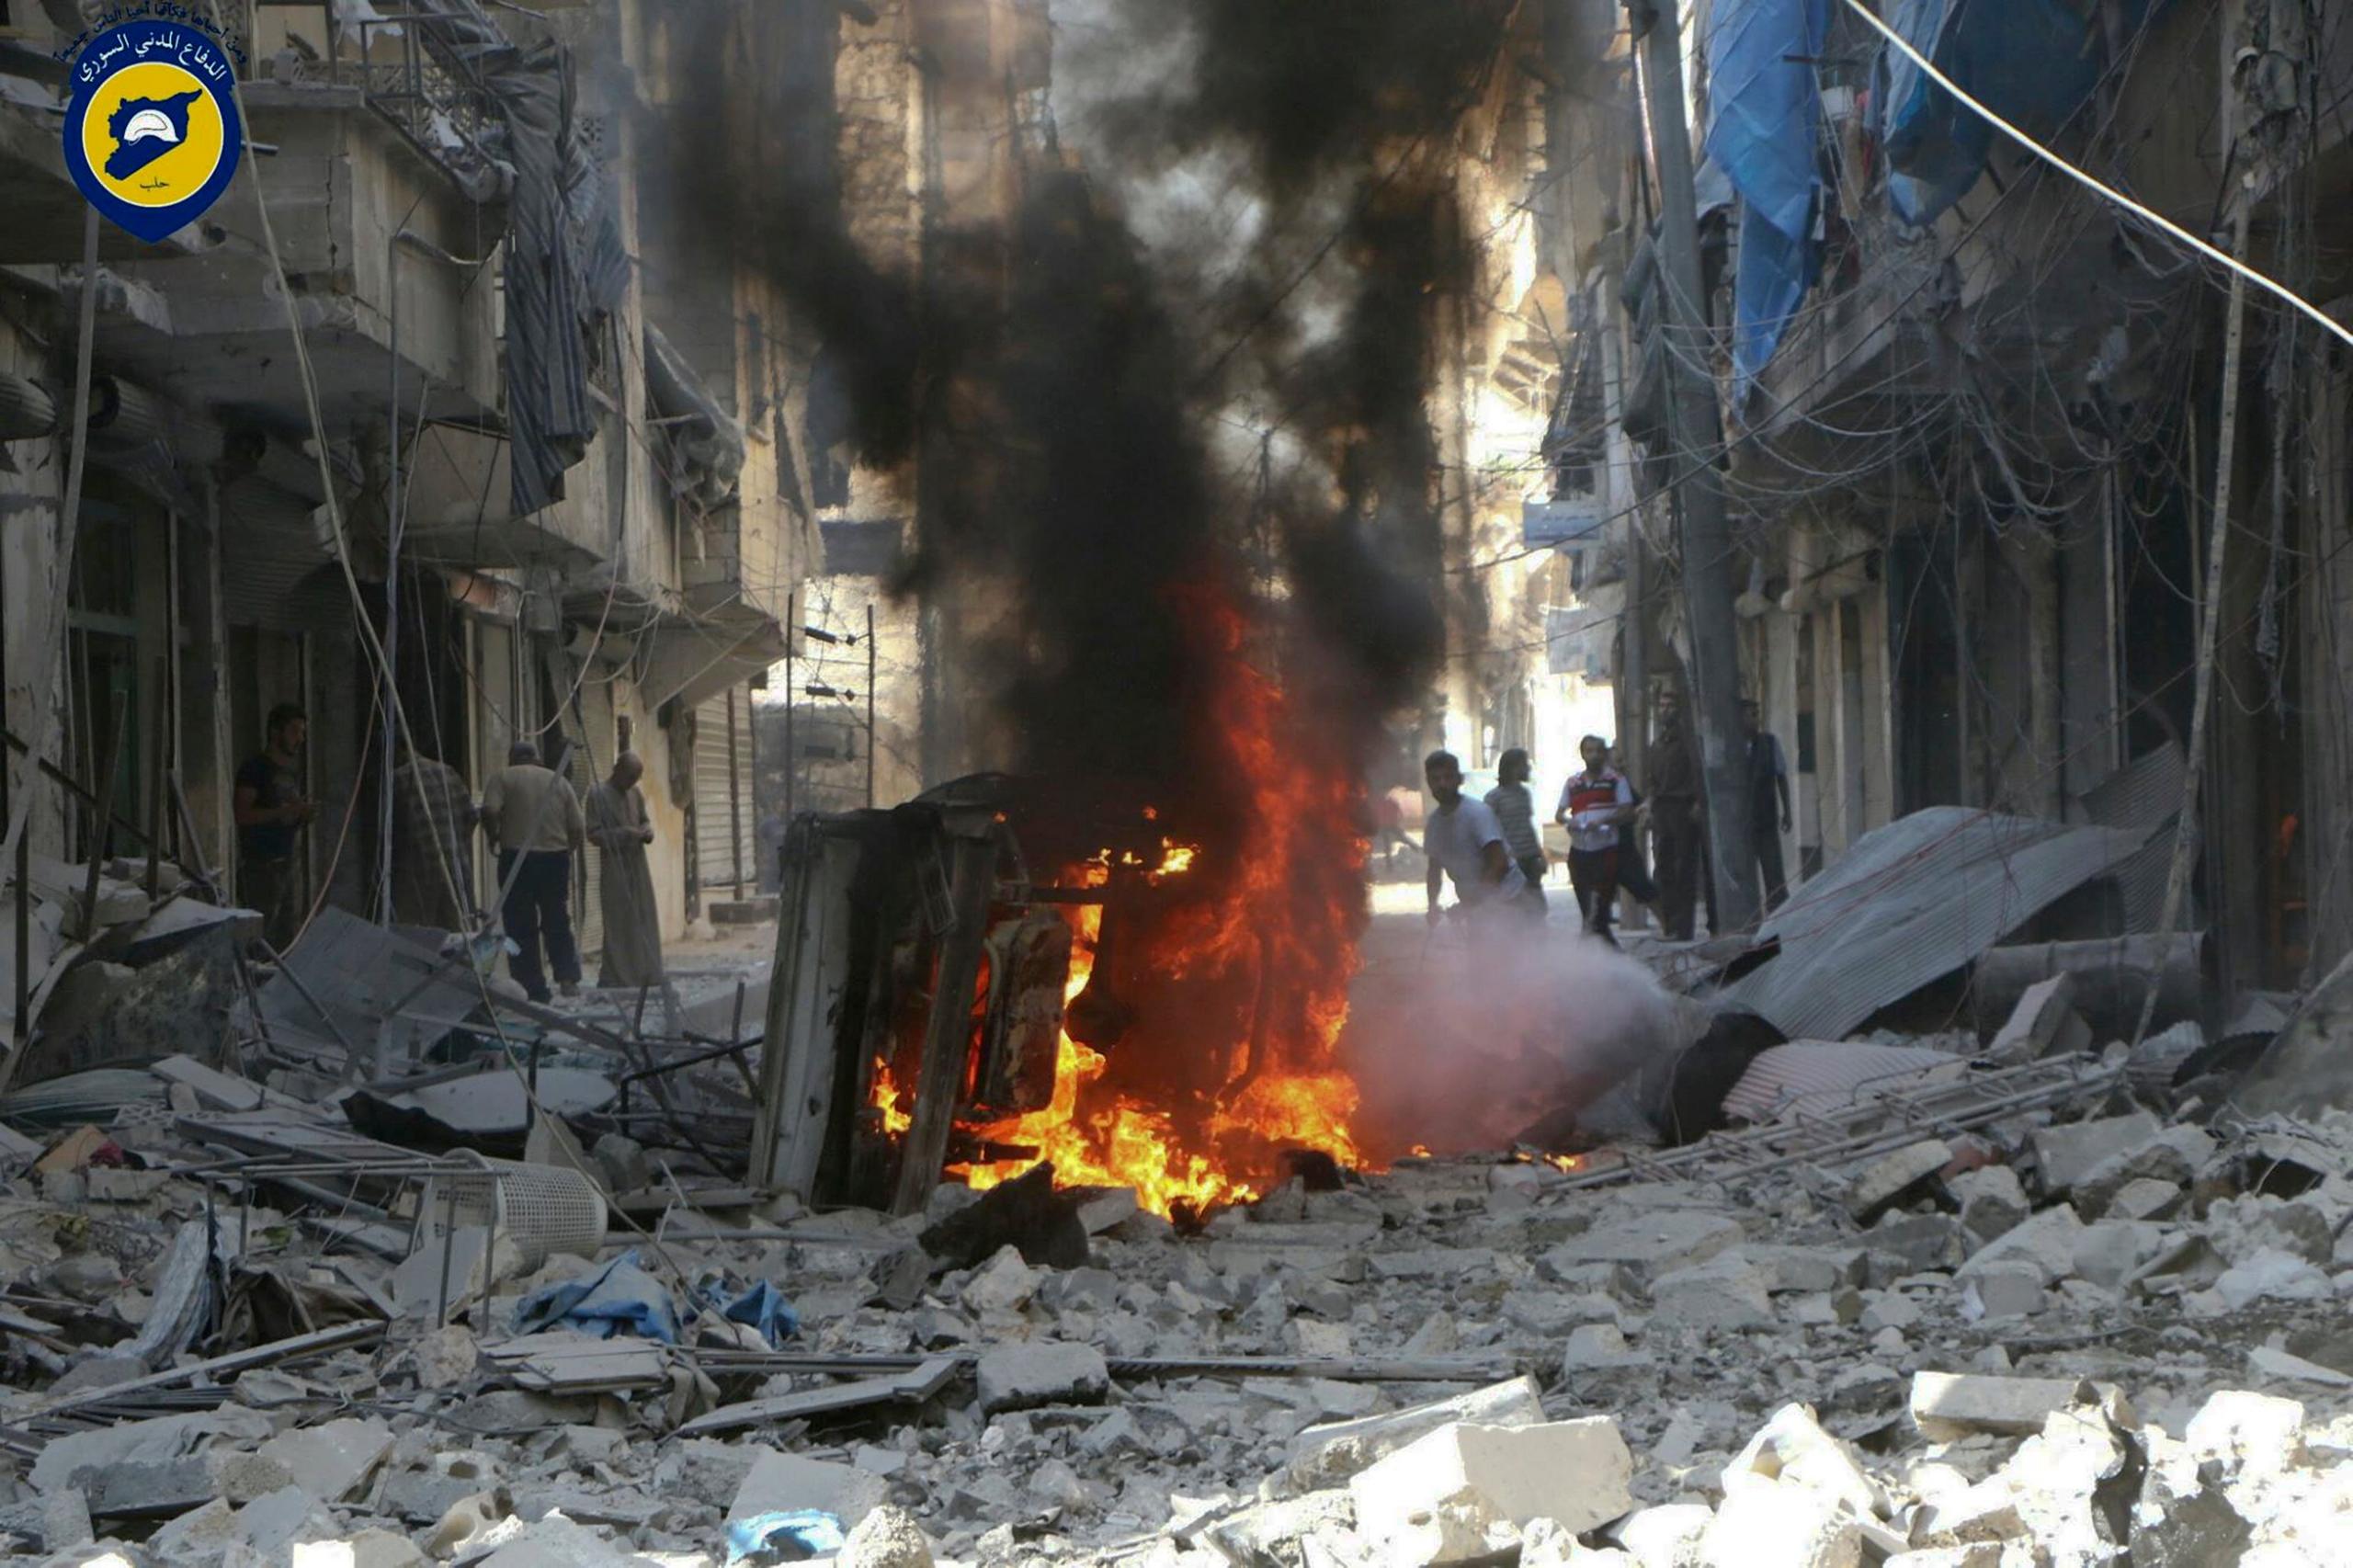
2083,1332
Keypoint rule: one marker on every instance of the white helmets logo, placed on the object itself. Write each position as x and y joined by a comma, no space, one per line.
150,124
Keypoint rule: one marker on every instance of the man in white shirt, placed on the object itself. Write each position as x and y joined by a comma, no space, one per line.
1463,840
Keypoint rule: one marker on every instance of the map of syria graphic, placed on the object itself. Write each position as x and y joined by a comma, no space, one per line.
147,142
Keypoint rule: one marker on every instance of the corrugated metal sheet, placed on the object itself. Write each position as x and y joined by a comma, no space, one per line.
1911,902
2146,795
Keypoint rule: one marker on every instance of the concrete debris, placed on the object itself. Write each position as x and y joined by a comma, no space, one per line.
1927,1354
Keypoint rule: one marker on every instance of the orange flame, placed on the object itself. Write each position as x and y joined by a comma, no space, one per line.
1285,923
895,1121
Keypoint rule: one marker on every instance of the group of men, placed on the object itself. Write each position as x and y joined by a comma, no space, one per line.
534,819
1494,853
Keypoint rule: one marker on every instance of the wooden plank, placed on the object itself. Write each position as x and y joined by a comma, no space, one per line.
941,1077
911,1387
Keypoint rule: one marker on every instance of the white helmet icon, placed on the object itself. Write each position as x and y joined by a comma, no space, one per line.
147,124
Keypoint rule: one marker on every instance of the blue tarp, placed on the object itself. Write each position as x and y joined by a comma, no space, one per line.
2031,62
1768,113
621,1298
791,1537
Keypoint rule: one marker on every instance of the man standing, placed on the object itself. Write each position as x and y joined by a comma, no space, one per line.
1675,822
1595,806
1515,809
621,829
1769,787
534,817
1463,840
271,811
433,830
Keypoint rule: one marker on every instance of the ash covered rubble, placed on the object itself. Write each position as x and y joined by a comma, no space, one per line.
2105,1327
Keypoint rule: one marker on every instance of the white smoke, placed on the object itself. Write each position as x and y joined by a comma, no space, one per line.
1463,1047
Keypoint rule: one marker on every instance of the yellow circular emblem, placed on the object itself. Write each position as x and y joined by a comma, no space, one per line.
153,134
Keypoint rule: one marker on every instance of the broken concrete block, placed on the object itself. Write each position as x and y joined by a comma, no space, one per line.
2143,1197
2047,1241
466,1521
1598,1347
1023,1376
2069,1153
1724,1293
2044,1023
333,1461
1435,1262
66,1521
1809,1269
2253,1434
1317,1341
1922,1241
1326,1456
1983,1514
1949,1406
243,1474
1887,1179
1107,1208
2113,1250
1992,1201
1646,1245
1664,1537
1772,1526
1002,1285
1793,1449
781,1484
2175,1154
1573,1473
887,1537
2002,1291
1891,1309
2273,1274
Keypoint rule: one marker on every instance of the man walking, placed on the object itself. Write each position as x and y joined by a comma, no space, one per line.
433,830
1514,811
1768,781
1676,820
535,819
272,810
1463,840
621,829
1595,806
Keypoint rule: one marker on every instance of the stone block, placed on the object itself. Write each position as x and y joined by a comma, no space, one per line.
1952,1405
1647,1246
887,1537
1772,1526
1992,1201
2253,1434
1024,1376
2044,1023
2143,1197
1667,1535
1886,1180
1808,1269
1922,1240
1317,1341
333,1461
1983,1514
2047,1241
2002,1291
1724,1293
1599,1346
1791,1449
2067,1154
2272,1275
780,1483
1573,1473
1327,1455
1000,1286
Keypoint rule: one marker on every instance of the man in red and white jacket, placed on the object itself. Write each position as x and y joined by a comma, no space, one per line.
1593,806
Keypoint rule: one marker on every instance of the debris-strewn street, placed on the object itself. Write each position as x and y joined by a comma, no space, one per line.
1176,783
2088,1329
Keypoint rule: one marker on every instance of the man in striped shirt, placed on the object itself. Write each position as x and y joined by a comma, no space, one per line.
1515,809
1594,805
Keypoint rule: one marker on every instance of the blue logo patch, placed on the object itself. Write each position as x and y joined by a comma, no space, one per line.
150,133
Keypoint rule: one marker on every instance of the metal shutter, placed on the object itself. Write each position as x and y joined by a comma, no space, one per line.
725,864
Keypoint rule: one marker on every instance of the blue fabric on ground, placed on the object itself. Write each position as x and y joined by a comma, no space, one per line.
812,1530
762,1307
618,1297
1765,134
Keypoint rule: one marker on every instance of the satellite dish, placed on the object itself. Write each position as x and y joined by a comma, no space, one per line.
147,124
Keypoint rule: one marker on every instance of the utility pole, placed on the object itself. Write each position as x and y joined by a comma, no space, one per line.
1698,487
